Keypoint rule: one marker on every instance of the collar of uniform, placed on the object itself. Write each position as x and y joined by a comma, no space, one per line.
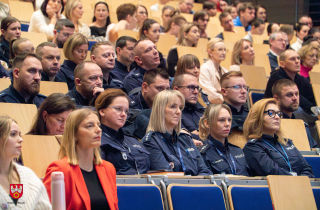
82,100
121,66
234,111
19,97
4,41
45,77
285,116
218,144
113,134
168,137
190,107
141,70
143,102
270,139
70,64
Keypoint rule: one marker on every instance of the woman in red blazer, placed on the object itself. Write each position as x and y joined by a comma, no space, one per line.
90,182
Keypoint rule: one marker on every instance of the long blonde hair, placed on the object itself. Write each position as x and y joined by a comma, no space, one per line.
185,28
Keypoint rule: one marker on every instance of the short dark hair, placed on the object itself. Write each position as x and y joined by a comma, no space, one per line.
124,10
299,26
269,28
63,22
279,84
42,45
313,31
19,59
43,7
150,75
223,15
308,39
97,45
257,22
122,41
200,14
244,6
209,5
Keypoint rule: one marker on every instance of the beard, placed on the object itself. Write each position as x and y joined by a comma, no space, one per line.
290,108
30,89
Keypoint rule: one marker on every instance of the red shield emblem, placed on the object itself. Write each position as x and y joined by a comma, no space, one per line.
16,190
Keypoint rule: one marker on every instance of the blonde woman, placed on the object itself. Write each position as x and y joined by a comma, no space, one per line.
243,53
211,71
309,56
90,182
168,147
74,12
267,151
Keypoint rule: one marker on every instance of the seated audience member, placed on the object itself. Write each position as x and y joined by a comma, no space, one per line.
88,80
278,42
88,184
164,139
165,17
34,192
125,57
272,28
309,39
142,15
188,36
188,85
257,27
154,81
150,29
125,152
267,151
289,68
75,51
10,29
288,29
286,92
234,90
52,115
100,20
309,56
301,31
261,12
307,20
246,14
147,57
220,156
201,18
223,5
74,11
174,25
26,81
44,20
50,61
156,7
18,46
127,20
62,30
243,53
232,10
210,8
185,6
315,32
188,64
211,71
226,22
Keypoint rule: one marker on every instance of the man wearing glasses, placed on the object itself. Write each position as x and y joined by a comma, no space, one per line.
278,42
234,91
62,30
194,108
185,6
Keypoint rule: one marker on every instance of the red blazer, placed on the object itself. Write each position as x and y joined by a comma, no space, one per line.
77,195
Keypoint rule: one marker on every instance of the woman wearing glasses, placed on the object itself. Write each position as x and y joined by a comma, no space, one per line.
219,155
168,147
211,71
309,56
267,151
126,153
242,53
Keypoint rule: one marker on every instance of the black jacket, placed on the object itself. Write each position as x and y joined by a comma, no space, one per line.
273,61
264,160
79,99
223,164
66,73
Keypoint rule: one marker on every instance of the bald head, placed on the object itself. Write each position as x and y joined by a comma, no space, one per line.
146,54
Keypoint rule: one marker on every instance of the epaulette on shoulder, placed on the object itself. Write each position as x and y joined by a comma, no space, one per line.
252,140
204,147
148,135
42,96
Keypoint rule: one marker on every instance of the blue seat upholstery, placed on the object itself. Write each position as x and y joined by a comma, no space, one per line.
24,27
314,162
249,197
256,96
316,193
139,197
184,197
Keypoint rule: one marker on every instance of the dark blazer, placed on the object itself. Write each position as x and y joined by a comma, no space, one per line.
66,73
273,61
77,195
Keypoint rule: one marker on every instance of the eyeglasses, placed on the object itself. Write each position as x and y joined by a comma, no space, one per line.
282,40
64,34
221,50
189,4
120,109
273,113
239,87
313,55
191,88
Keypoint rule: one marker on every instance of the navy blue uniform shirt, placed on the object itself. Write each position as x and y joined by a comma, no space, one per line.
164,151
238,118
134,79
11,95
264,160
137,101
79,99
4,51
45,77
66,73
119,71
218,164
126,153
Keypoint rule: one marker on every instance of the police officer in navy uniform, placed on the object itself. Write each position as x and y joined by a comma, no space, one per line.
147,57
125,152
169,148
220,156
268,152
26,81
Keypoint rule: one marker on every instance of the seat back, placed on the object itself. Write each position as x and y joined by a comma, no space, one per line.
226,63
255,76
258,39
139,197
314,162
232,37
249,197
35,38
165,43
237,138
21,10
22,113
263,61
255,96
295,130
183,50
133,34
260,48
38,152
316,92
316,193
4,83
314,77
48,87
188,196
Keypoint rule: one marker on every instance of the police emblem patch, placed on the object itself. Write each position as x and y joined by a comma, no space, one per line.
124,155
